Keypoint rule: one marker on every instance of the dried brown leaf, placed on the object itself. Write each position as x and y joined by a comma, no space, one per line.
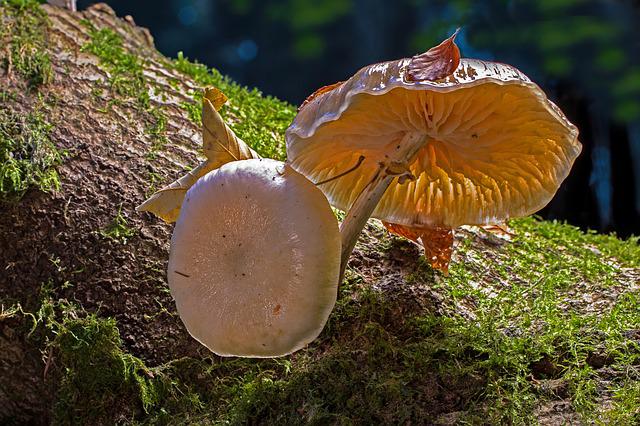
320,91
438,247
437,243
166,202
220,146
220,143
403,231
216,97
436,63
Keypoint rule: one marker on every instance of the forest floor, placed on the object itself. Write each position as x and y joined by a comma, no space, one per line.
538,326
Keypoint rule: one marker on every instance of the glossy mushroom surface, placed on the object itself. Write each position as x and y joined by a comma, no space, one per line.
254,260
495,147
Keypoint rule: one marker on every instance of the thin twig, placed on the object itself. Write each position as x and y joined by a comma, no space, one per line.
360,160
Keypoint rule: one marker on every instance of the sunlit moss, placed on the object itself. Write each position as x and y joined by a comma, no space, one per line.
23,35
126,70
259,120
625,408
27,155
126,79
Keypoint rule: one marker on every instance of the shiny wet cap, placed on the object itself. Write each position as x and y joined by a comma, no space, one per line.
496,146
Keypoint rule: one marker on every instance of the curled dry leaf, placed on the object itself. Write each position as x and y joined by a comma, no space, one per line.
438,247
216,97
220,146
407,232
436,63
437,242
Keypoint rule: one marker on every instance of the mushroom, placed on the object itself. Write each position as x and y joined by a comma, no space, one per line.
254,259
471,142
255,253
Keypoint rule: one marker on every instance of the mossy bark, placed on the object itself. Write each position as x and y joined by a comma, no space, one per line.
109,169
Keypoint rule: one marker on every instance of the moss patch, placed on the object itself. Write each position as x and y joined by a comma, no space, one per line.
126,72
126,79
23,37
512,340
625,407
534,316
258,120
27,155
118,230
98,375
98,382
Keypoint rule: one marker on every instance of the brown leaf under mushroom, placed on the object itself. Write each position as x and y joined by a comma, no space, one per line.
437,243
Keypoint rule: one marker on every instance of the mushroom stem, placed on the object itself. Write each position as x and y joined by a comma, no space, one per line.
368,199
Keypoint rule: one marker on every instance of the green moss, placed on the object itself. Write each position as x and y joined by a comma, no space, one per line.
154,179
126,79
260,121
157,128
534,316
97,375
126,72
23,29
194,109
118,230
100,383
625,409
27,155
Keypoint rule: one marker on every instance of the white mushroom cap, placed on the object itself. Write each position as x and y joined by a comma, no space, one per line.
255,257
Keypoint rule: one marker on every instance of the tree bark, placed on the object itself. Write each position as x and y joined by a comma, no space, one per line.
55,239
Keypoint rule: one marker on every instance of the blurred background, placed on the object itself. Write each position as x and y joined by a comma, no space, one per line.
584,53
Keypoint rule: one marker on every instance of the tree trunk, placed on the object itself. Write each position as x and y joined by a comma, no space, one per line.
52,239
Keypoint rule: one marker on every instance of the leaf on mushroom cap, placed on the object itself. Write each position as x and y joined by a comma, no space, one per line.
436,63
255,257
320,91
496,148
220,146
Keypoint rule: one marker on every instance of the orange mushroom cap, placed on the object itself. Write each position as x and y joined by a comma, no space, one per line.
496,146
